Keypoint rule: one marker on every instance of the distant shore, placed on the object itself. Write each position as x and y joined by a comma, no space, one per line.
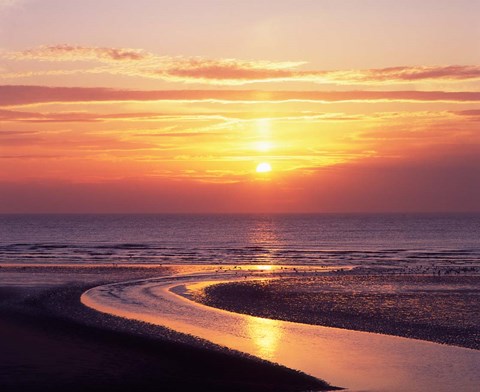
51,342
438,309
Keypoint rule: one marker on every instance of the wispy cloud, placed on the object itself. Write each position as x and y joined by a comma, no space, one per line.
473,113
139,63
66,52
82,116
23,95
407,74
234,72
37,117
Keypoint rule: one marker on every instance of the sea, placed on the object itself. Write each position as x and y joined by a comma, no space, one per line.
387,241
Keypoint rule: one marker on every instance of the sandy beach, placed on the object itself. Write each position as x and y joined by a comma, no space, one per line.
357,360
438,309
50,341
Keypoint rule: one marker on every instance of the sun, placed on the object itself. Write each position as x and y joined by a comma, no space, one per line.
264,167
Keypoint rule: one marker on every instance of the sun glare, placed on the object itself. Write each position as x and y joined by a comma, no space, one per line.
263,146
264,267
263,126
264,167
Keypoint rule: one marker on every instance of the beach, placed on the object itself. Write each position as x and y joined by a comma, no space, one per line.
442,309
357,360
50,341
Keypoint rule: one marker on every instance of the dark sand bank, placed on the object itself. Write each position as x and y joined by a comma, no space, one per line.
439,309
51,342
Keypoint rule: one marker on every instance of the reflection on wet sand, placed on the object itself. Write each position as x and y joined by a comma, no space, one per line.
357,360
266,334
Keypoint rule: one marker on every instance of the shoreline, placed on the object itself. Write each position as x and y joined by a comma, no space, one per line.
339,302
50,341
344,357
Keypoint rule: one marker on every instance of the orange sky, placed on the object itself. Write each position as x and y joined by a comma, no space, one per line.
162,107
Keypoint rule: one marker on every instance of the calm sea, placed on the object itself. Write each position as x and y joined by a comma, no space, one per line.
384,240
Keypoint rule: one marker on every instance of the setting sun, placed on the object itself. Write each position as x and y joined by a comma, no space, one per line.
89,122
264,167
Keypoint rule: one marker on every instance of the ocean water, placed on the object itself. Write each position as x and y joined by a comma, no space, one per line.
370,240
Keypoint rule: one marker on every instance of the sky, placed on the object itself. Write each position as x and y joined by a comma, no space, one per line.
177,106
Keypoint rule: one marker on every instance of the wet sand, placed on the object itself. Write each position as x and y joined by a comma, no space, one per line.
439,309
51,342
360,361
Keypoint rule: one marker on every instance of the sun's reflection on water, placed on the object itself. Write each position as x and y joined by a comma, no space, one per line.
266,335
264,238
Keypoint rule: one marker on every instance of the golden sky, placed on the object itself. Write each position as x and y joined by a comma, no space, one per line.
160,106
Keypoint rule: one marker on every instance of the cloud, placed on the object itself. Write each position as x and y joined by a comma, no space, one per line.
76,143
82,116
235,72
226,71
23,116
66,52
139,63
135,62
407,74
24,95
474,113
